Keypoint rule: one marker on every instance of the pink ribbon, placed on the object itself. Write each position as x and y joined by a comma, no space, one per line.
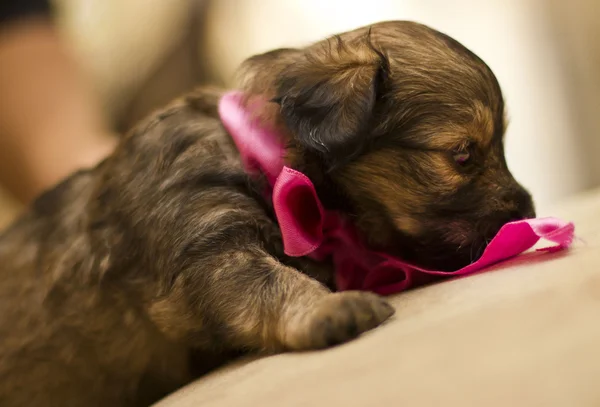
309,230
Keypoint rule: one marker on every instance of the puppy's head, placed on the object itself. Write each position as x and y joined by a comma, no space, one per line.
400,127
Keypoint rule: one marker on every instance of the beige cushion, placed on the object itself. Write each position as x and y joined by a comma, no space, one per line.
526,333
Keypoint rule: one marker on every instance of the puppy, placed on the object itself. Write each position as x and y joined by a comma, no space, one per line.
122,283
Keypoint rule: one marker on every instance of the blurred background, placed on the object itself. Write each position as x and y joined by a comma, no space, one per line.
139,54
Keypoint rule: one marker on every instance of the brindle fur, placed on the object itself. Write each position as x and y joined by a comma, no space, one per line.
125,281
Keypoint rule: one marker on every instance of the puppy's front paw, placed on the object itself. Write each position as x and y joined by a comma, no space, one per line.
337,318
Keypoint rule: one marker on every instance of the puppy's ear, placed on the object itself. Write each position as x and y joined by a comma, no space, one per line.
327,97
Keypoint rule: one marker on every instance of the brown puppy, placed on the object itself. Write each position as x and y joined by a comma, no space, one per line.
124,279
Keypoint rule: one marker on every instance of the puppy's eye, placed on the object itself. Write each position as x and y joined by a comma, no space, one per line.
461,157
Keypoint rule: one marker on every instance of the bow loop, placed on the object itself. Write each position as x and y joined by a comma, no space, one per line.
299,212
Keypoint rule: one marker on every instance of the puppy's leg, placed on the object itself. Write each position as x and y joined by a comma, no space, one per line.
271,306
255,302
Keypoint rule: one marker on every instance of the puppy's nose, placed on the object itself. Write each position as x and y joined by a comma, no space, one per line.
528,213
524,206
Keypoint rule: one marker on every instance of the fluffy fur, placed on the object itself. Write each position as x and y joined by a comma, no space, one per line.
126,281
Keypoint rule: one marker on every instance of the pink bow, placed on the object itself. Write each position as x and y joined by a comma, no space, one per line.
310,230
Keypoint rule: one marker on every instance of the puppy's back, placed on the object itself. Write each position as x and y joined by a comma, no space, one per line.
63,335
